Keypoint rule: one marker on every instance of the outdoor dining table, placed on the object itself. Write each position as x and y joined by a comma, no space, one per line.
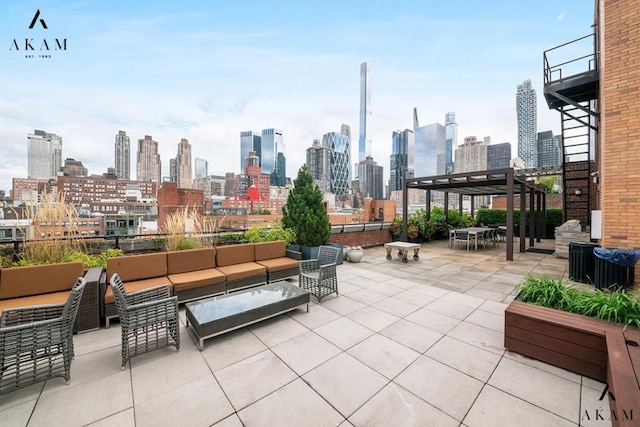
473,231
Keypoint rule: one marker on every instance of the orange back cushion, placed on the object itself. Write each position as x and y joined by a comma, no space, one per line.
190,260
234,254
138,267
39,279
270,250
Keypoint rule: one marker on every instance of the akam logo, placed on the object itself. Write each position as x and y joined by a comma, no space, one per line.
42,45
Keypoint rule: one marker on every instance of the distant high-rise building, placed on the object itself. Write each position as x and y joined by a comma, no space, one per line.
526,109
549,149
173,170
339,145
272,143
183,164
201,167
402,149
44,158
451,140
279,178
73,167
371,179
249,141
123,155
319,164
148,165
471,156
364,142
430,143
498,156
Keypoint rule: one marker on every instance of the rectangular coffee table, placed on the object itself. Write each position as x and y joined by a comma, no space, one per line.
214,316
403,248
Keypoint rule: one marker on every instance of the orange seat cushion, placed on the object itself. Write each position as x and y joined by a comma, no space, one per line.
279,264
242,271
53,298
196,279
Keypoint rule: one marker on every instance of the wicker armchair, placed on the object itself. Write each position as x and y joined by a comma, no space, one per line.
318,276
36,343
148,319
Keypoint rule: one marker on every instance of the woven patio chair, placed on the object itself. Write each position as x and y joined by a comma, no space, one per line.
36,342
148,319
319,276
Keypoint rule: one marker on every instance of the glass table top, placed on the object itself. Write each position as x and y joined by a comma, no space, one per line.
215,308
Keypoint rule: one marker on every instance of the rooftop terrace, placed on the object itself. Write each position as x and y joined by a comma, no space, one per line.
404,344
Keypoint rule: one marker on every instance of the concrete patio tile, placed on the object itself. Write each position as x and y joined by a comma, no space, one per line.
462,299
317,316
372,318
593,411
384,355
555,394
167,373
84,403
451,284
432,320
346,423
277,329
251,379
27,394
366,296
488,320
388,289
344,287
345,383
441,386
92,366
18,415
451,309
404,283
361,281
464,357
483,293
305,352
304,407
562,373
411,335
343,305
429,290
479,336
416,298
593,384
395,306
373,277
124,418
198,403
88,342
227,349
493,307
343,332
394,406
497,408
489,285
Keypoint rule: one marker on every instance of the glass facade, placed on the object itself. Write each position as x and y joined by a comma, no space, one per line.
548,149
44,155
498,156
249,141
430,150
364,142
271,143
340,148
526,109
451,140
402,158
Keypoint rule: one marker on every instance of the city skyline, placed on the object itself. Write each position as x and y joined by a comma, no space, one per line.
206,72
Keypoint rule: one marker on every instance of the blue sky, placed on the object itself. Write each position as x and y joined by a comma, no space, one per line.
207,70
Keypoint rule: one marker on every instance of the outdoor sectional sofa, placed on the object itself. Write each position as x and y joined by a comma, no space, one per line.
199,273
51,284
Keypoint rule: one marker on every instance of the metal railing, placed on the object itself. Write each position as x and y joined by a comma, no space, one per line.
553,73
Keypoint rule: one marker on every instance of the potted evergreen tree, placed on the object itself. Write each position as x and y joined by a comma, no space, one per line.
305,214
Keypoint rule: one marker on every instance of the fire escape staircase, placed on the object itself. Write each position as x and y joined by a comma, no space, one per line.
571,88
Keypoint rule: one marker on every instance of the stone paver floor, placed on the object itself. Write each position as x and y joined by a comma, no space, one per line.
413,344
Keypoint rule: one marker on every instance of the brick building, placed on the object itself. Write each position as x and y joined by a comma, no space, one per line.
171,198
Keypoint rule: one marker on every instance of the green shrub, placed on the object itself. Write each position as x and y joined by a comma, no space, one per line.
269,234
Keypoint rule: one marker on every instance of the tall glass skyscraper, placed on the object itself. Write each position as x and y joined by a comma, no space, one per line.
526,109
402,157
364,142
339,147
272,143
249,141
123,155
44,158
451,140
430,148
201,167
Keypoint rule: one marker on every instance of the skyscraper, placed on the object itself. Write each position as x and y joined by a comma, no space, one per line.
451,140
364,142
183,164
526,109
430,148
339,146
148,165
471,156
402,158
201,167
548,149
123,155
370,176
272,143
319,164
44,158
498,156
278,176
249,141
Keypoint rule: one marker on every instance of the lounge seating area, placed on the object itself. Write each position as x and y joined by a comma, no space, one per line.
424,340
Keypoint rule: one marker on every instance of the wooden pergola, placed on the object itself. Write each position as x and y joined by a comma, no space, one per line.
486,183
